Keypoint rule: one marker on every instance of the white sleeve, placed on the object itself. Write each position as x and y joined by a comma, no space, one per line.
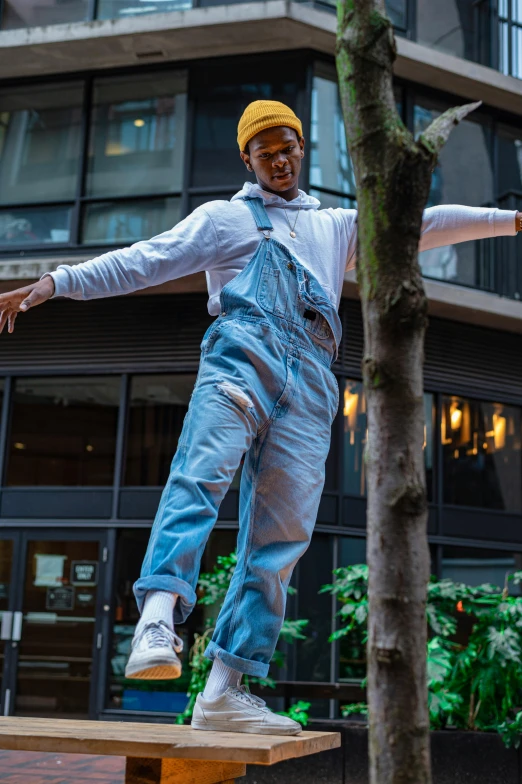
449,224
191,246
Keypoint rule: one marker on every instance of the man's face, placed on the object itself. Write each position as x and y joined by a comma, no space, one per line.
275,156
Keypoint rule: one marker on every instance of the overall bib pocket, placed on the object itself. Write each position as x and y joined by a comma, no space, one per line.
272,290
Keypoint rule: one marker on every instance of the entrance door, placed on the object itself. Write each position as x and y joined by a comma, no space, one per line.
8,551
56,632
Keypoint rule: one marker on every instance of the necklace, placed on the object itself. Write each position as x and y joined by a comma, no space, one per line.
292,228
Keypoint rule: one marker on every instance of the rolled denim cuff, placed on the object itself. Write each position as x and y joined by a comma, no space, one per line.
163,582
246,666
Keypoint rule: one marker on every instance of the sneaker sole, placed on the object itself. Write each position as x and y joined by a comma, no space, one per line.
158,672
228,727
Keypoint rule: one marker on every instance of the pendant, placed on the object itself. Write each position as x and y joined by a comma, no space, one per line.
293,235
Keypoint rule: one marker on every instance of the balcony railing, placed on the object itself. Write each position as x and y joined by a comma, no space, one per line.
498,262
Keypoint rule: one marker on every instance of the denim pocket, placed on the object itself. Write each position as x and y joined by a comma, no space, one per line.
210,336
271,291
317,326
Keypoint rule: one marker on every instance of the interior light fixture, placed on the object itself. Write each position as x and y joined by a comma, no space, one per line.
455,416
499,431
19,445
139,123
351,405
89,448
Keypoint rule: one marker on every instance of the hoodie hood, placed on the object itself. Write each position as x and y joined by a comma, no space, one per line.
304,201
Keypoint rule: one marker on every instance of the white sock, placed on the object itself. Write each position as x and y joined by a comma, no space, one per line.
220,678
159,606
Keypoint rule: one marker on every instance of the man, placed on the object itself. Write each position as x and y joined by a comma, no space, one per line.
275,266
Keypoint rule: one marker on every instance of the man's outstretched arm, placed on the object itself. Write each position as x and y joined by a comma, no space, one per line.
191,246
449,224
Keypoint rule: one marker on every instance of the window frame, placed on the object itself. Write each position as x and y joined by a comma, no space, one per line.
81,201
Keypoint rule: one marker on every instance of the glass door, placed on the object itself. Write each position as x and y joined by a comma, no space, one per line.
56,635
7,570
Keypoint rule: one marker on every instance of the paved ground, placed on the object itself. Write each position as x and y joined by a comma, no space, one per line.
24,767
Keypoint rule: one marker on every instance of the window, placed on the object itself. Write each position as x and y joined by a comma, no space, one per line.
63,431
510,37
137,137
355,434
121,9
136,148
352,651
332,178
464,175
137,145
313,656
397,10
39,159
450,25
158,405
32,13
126,222
221,95
481,454
164,696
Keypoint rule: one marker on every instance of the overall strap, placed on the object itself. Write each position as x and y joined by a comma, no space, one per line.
257,208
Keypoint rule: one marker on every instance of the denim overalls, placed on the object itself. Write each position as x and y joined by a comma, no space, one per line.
264,390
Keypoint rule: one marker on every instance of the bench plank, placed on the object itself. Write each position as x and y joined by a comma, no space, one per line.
158,741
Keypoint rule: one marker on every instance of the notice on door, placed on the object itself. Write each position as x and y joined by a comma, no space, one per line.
49,569
84,573
60,598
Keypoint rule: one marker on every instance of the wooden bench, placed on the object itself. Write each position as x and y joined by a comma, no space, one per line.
162,753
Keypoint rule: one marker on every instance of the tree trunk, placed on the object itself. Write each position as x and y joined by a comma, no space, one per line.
393,174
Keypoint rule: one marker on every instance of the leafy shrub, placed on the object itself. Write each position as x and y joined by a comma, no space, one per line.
475,683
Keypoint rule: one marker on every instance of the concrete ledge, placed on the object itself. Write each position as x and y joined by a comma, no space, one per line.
242,28
454,74
458,303
154,38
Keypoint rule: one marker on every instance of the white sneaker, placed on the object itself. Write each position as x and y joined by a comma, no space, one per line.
238,711
154,650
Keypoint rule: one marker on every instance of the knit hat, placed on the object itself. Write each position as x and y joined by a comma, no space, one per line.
260,115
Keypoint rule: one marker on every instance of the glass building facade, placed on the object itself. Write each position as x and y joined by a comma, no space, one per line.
93,395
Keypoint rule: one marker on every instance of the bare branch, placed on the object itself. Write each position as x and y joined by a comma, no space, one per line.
436,135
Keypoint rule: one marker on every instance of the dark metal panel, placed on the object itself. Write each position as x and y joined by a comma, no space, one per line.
354,512
56,502
328,509
480,362
352,341
229,509
139,503
142,504
108,335
481,524
459,358
432,519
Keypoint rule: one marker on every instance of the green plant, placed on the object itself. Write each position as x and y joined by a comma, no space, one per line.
212,588
298,712
474,679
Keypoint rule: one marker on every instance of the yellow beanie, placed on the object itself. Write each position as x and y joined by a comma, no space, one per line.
265,114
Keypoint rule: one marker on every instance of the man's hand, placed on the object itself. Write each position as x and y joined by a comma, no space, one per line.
20,300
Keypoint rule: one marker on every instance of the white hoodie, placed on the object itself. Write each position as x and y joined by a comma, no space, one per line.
220,238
